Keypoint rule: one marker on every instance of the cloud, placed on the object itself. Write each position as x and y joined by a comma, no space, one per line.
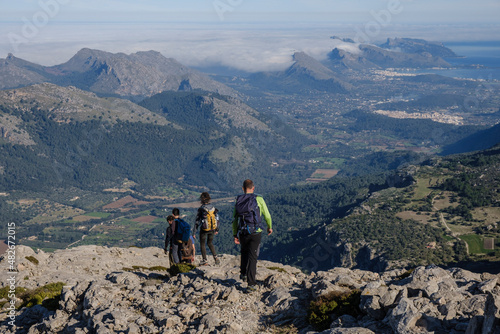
348,47
247,47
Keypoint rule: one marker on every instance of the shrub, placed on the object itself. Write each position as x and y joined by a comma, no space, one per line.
5,291
48,296
139,268
32,259
158,268
180,268
321,310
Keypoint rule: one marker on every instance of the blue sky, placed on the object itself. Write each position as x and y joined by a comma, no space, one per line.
246,34
415,11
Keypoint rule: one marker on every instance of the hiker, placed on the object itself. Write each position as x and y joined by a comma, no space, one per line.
249,211
182,239
207,220
170,244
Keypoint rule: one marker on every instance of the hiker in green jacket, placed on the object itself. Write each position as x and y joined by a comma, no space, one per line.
249,212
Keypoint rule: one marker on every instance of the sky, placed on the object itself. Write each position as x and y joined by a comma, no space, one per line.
249,35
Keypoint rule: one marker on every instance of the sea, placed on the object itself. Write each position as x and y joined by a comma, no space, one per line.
478,60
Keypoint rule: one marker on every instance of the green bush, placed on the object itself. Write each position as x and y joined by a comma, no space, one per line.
5,291
321,310
32,259
180,268
158,268
47,296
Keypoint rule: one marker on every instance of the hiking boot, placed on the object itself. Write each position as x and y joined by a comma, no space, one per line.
204,263
251,288
243,278
217,262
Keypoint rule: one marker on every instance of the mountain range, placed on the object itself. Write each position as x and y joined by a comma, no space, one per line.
136,75
76,137
146,73
71,135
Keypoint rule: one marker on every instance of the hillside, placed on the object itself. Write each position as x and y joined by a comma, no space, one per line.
100,289
52,118
478,141
70,104
443,211
65,152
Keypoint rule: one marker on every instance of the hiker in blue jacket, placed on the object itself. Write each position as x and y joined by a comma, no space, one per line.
249,211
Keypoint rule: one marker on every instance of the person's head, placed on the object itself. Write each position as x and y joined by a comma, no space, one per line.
176,212
170,219
205,198
248,186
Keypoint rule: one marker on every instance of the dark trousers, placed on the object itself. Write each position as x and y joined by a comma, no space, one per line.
249,253
208,237
176,252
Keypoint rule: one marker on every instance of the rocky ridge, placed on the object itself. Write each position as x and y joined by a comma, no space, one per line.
369,56
116,290
137,75
70,103
413,45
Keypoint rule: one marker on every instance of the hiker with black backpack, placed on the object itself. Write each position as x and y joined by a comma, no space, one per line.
207,220
249,211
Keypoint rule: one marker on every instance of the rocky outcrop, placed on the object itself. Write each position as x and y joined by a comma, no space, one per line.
114,290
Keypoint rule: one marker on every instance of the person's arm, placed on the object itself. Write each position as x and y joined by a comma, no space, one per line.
197,221
264,212
174,228
168,238
235,227
216,214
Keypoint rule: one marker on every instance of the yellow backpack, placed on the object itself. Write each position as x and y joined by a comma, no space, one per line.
209,222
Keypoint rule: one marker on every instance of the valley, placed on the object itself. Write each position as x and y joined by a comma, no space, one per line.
95,153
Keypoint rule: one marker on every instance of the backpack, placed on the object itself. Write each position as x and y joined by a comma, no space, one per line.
210,219
248,213
187,251
183,231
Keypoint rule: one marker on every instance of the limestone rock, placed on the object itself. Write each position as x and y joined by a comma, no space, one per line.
114,290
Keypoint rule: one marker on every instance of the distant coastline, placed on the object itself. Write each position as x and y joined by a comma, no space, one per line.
477,60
